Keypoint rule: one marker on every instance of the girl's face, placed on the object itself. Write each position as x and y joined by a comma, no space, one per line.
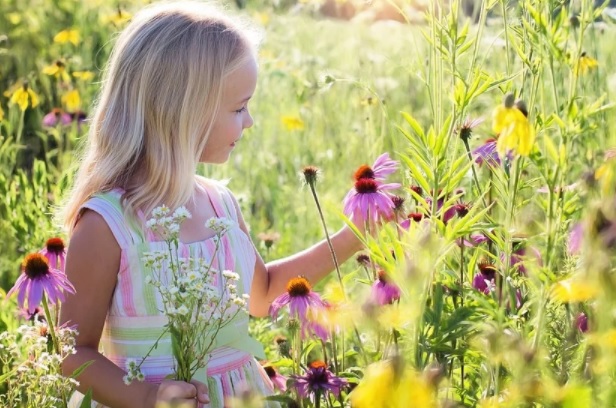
233,116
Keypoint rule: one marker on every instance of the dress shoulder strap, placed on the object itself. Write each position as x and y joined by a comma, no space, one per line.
221,199
109,206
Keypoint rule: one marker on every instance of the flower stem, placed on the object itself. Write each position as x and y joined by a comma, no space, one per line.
54,338
329,242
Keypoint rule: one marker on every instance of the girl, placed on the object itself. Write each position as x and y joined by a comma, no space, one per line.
175,93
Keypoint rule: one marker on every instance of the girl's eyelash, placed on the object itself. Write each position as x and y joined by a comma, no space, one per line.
241,110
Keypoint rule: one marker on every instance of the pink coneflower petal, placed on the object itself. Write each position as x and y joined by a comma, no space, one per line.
384,166
574,243
384,292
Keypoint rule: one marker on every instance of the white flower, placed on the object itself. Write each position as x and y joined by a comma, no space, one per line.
230,275
126,379
246,296
239,301
219,225
232,288
161,211
183,310
148,279
181,213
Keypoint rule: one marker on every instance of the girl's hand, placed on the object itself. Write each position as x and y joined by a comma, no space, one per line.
181,394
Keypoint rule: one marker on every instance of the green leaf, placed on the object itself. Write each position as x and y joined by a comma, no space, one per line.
81,368
87,400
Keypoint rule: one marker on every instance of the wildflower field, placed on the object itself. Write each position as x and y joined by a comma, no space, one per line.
478,151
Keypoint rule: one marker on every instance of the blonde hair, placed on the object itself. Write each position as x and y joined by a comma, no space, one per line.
161,93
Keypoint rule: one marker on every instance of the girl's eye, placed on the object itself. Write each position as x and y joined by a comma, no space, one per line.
240,110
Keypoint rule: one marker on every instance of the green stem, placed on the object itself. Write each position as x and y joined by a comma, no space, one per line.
329,242
54,338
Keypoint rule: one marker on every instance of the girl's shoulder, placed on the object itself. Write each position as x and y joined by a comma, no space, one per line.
108,205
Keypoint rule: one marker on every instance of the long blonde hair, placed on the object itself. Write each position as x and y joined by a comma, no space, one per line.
161,93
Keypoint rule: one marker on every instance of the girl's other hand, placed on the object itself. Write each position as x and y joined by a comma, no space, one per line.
171,393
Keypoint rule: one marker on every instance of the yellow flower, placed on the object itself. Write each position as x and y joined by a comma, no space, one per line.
1,113
14,18
65,36
24,97
71,100
571,290
514,130
293,123
381,389
57,69
585,64
83,75
262,18
117,18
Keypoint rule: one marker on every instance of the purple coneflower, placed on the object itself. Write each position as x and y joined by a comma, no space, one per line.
55,252
486,153
384,291
279,381
56,115
581,322
475,239
411,217
484,281
38,279
459,209
523,253
300,299
318,381
369,201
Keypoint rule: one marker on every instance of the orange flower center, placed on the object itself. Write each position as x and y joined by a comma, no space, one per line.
363,172
298,287
366,186
35,265
382,276
55,245
317,364
486,267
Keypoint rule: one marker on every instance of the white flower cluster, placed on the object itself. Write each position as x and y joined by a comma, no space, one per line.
197,299
165,224
133,372
219,225
29,352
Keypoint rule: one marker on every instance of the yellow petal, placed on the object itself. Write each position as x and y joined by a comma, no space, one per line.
65,36
34,99
1,113
51,69
293,122
571,290
71,100
84,75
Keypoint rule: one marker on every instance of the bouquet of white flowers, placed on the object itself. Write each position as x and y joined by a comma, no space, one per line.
197,299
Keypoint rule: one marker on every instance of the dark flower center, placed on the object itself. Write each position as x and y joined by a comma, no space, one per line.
487,269
366,186
298,287
415,216
35,265
363,172
417,190
310,174
55,245
271,372
398,202
461,209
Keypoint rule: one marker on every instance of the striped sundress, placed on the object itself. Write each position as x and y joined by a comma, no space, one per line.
135,321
